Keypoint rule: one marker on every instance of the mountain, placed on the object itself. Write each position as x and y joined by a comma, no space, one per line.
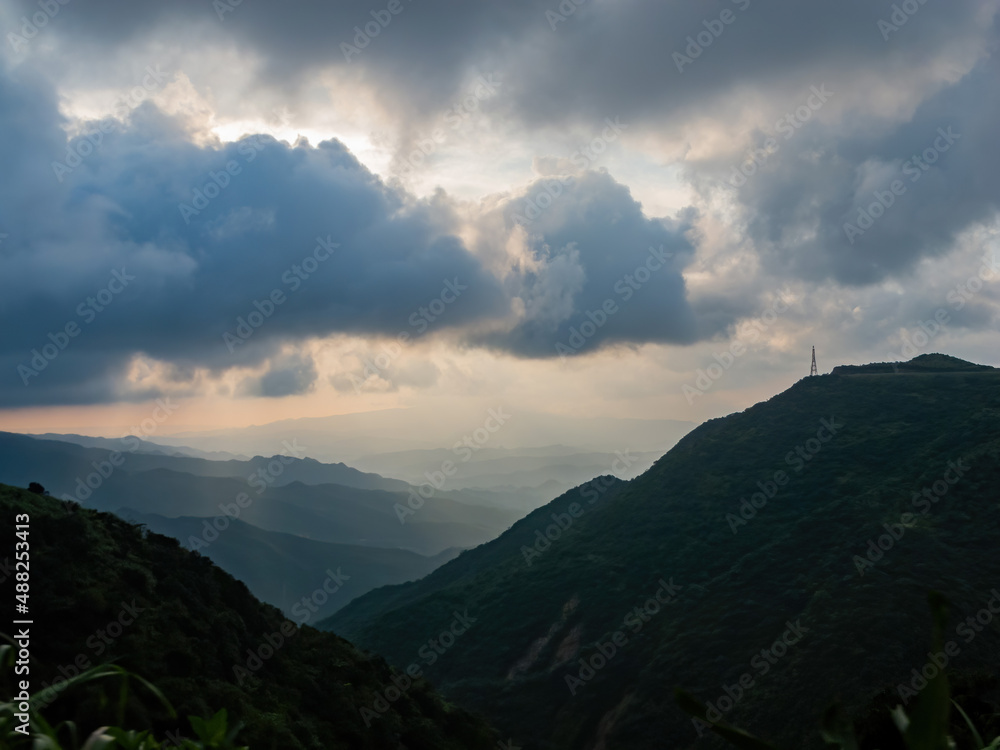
102,589
22,456
326,512
289,571
329,513
772,561
347,437
141,446
557,466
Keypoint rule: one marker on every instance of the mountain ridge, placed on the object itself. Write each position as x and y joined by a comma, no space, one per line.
812,475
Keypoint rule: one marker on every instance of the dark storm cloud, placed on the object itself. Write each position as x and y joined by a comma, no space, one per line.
654,65
200,256
418,54
601,272
286,376
563,61
180,246
860,209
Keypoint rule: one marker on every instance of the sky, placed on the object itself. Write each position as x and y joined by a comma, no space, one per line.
637,208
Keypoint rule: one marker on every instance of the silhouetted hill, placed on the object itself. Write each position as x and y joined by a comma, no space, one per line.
924,364
104,589
762,530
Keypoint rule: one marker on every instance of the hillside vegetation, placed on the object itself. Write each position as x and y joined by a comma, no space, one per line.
103,589
772,561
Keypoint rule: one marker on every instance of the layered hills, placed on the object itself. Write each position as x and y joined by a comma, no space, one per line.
772,561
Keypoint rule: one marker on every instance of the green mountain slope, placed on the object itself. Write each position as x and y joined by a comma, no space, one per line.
769,612
103,589
289,571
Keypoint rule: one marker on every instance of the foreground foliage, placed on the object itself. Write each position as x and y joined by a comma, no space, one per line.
928,728
103,589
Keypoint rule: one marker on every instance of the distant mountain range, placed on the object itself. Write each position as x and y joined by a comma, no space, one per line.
552,469
64,464
774,560
349,437
278,523
139,446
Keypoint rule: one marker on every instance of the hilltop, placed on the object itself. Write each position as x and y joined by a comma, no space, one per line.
792,546
924,364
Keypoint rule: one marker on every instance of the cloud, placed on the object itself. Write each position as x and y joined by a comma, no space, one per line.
586,257
825,206
288,375
210,258
207,256
560,67
159,244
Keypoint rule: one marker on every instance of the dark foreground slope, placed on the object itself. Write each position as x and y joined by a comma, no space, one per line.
778,606
101,588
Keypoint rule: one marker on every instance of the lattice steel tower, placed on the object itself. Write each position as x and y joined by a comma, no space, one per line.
813,370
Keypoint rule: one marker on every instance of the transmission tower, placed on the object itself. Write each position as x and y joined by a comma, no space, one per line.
813,370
